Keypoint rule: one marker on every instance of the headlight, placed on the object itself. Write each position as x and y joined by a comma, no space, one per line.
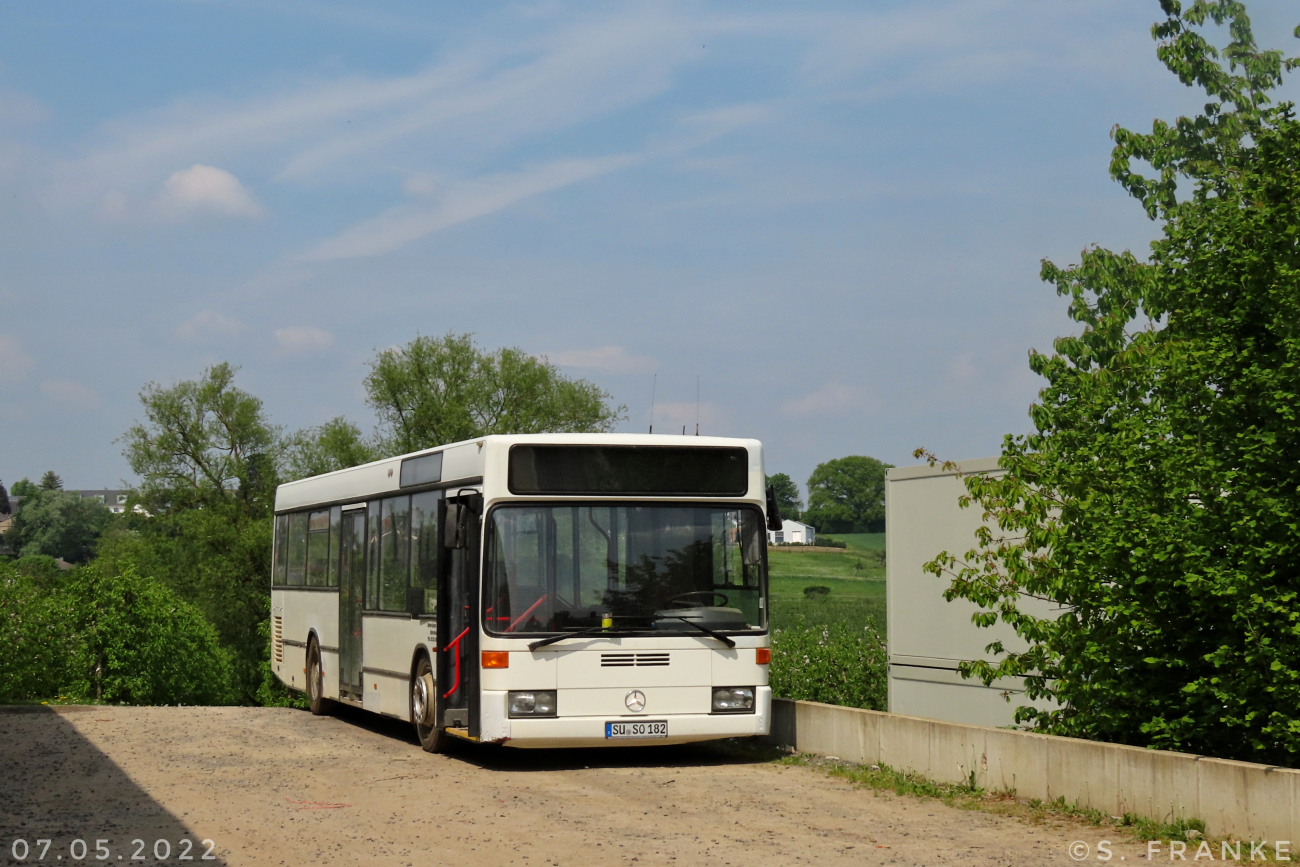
533,702
733,699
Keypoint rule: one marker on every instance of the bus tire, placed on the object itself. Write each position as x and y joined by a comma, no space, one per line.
317,701
423,706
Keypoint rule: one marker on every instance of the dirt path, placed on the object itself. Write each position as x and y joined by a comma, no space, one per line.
274,787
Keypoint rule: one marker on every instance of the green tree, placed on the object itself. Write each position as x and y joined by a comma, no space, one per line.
440,390
335,445
204,443
92,633
5,508
847,495
36,632
51,481
1158,498
207,459
787,495
141,644
58,524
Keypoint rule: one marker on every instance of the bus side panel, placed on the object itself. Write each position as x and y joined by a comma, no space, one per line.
305,612
388,646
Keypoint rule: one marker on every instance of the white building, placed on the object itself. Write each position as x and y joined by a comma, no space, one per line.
792,533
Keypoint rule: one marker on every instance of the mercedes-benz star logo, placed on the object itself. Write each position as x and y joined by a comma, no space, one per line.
635,701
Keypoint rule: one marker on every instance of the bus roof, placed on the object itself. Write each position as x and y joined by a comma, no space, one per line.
472,462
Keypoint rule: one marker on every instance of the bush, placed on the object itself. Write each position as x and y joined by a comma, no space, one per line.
97,634
827,542
834,664
142,644
37,636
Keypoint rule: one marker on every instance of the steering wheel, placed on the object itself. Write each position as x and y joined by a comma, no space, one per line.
682,600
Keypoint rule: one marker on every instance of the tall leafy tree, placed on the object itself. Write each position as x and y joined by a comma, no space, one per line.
5,508
1158,499
335,445
787,495
847,495
207,458
437,390
204,442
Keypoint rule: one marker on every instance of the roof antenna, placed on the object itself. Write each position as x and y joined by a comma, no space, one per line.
697,406
653,385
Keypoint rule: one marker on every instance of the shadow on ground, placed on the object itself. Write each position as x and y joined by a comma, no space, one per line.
492,757
60,793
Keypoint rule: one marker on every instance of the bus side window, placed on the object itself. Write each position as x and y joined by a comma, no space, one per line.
297,546
336,519
423,595
372,555
318,548
281,559
394,553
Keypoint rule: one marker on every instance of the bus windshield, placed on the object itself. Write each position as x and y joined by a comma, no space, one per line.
647,567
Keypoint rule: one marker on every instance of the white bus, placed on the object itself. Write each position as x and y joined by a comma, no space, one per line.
537,591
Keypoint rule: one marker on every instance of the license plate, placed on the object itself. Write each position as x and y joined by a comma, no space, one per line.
639,729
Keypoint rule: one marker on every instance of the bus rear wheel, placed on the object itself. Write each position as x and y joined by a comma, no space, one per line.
424,709
318,703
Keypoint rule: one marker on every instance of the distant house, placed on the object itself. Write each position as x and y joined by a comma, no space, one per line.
792,533
114,499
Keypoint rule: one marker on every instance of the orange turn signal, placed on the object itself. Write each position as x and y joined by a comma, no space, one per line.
763,655
496,659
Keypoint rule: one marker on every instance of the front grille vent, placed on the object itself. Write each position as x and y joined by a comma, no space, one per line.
627,660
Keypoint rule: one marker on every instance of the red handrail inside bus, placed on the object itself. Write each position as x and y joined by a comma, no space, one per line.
520,619
455,642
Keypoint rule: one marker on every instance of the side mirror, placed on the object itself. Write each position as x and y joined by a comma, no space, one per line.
453,527
774,521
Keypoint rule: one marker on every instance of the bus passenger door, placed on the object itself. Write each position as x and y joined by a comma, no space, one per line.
458,587
352,582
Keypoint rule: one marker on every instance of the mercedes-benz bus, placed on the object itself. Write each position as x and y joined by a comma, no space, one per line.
533,590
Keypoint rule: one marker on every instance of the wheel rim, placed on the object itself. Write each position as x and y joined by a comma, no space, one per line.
313,682
420,702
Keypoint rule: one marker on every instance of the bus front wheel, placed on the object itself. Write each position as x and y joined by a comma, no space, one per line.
424,709
318,703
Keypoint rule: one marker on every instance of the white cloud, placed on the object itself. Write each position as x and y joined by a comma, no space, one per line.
462,202
15,365
71,395
204,189
303,338
21,109
420,186
831,399
207,324
607,359
501,87
963,369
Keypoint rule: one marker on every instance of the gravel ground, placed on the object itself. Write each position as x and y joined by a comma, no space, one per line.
277,786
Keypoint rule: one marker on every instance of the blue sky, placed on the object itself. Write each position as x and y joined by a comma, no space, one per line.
831,213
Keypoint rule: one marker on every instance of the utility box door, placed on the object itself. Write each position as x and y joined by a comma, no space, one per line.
929,636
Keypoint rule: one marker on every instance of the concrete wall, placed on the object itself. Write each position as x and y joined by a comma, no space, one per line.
1235,799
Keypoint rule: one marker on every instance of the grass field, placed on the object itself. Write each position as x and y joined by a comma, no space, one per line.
855,577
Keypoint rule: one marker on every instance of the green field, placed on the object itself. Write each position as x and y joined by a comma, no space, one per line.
855,577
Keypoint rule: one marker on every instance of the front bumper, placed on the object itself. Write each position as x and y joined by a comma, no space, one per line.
589,731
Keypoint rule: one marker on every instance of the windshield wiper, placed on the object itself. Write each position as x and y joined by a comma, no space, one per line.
588,631
706,630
